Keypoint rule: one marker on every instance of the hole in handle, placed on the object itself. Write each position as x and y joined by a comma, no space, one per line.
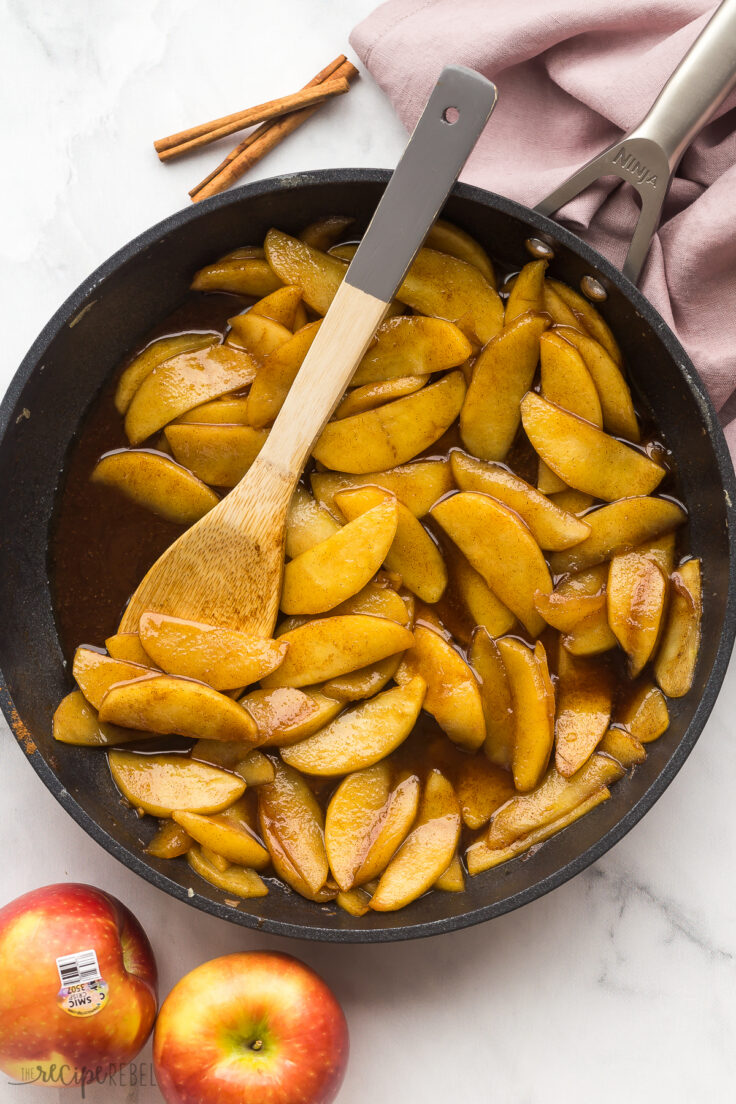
450,115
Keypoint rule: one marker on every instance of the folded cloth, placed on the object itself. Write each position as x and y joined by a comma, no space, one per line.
572,75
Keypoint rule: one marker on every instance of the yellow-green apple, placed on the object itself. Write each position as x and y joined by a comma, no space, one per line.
260,1027
77,985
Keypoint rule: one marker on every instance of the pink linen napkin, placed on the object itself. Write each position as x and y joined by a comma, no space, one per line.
573,75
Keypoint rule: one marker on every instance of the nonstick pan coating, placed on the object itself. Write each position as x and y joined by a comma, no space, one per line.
83,344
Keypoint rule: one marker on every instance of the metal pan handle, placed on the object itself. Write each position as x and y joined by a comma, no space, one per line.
648,155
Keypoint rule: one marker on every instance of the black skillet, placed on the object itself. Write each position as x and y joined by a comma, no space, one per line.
106,318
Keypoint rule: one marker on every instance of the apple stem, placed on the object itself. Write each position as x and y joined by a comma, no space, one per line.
257,1045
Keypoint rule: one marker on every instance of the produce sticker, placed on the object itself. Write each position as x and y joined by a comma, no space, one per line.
84,992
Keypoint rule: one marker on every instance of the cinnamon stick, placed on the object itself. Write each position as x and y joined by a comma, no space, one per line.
256,145
204,133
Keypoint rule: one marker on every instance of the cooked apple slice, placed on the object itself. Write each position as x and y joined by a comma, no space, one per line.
170,705
244,271
276,374
393,433
590,637
223,658
95,673
495,691
447,238
325,232
452,880
76,722
502,375
353,816
332,646
453,695
412,553
636,595
527,292
412,345
227,834
152,356
378,600
307,523
619,527
239,881
318,274
574,502
584,456
427,851
661,552
292,827
674,666
371,395
533,706
228,410
500,546
257,334
284,305
566,380
564,612
183,382
127,646
256,769
552,527
584,698
481,789
644,713
619,416
286,715
589,316
417,485
556,307
156,483
170,841
217,454
337,568
363,683
442,286
361,736
222,753
391,830
164,784
623,747
481,603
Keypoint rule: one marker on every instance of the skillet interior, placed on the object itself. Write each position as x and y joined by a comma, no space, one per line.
80,348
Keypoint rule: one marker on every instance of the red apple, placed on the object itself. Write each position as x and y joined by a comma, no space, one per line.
258,1027
60,1033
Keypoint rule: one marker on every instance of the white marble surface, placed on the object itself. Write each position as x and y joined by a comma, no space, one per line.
621,983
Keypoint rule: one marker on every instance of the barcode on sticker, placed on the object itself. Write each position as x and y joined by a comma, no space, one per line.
75,969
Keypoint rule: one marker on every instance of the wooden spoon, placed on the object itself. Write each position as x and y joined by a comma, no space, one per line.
226,569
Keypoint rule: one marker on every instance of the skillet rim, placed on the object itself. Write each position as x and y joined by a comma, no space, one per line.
542,225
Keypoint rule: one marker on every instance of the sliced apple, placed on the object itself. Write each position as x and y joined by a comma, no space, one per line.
636,596
452,880
379,601
442,286
502,375
227,834
228,410
325,232
95,673
353,816
564,612
243,271
164,784
256,769
566,380
371,395
552,527
170,705
276,374
412,553
152,356
584,698
127,646
527,292
412,345
286,715
619,416
584,456
307,523
332,646
500,546
292,827
427,851
591,636
661,551
257,334
417,485
222,753
156,483
453,694
238,881
495,692
644,713
170,841
533,706
76,722
481,789
589,316
448,238
674,666
318,274
336,568
619,527
282,305
481,603
361,736
556,307
393,433
363,683
217,454
622,746
183,382
391,829
223,658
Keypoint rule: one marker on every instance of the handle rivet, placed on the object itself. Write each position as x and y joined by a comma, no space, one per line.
540,250
593,289
450,115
